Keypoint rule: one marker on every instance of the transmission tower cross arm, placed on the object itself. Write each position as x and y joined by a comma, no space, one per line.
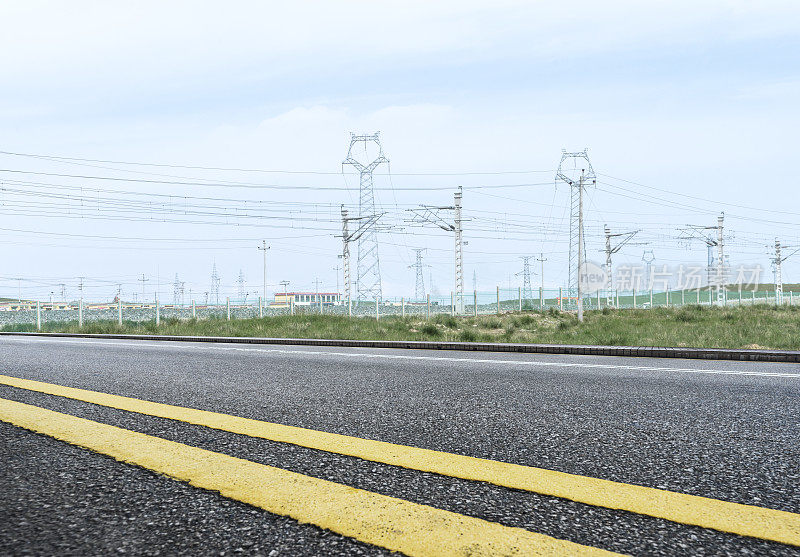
430,215
628,236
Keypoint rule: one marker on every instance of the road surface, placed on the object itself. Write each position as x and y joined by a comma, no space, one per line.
726,431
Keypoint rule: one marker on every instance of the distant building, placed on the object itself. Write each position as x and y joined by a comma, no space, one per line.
306,298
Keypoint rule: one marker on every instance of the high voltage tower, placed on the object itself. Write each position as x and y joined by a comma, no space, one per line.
568,173
365,223
368,272
215,284
419,287
240,281
716,266
178,288
527,290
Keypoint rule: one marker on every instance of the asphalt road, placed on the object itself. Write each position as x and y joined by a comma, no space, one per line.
724,430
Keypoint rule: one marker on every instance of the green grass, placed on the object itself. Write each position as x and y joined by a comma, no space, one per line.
759,326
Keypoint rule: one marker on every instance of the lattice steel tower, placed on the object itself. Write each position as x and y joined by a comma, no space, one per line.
368,272
215,284
177,291
241,282
576,170
527,290
419,288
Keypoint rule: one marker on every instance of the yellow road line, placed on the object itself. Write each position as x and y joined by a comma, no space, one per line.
376,519
745,520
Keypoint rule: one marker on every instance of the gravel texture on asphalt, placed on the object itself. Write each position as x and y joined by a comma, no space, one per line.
63,500
722,436
613,530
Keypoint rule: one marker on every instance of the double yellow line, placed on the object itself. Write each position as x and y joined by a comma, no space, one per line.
392,523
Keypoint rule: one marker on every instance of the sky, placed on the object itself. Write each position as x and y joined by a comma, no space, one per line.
687,109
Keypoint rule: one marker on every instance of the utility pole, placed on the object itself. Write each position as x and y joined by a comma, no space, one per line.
345,257
581,247
577,246
419,287
264,247
778,278
143,280
63,291
285,284
80,286
626,237
427,214
459,249
696,232
337,269
368,272
776,262
541,259
720,261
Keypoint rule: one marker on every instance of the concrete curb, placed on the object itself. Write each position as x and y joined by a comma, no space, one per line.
785,356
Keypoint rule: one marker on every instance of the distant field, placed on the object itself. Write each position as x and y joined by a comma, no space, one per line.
761,326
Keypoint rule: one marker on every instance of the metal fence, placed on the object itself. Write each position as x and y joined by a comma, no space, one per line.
501,300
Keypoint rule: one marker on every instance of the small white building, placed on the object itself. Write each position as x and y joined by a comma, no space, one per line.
283,299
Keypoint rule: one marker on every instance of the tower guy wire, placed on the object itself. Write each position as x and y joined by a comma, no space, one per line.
368,270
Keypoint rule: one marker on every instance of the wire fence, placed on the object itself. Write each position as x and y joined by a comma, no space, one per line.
476,303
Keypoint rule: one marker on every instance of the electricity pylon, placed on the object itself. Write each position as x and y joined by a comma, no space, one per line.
368,272
419,288
527,290
568,173
366,223
240,281
176,291
215,283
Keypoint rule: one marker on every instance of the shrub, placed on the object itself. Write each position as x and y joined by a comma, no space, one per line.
468,335
525,320
431,330
447,321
